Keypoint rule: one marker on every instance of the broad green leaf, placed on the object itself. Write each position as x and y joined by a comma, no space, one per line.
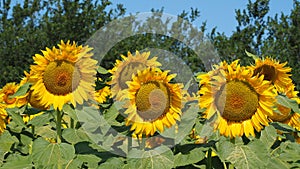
89,160
287,102
45,131
113,162
17,123
268,136
288,151
254,57
252,155
74,136
193,156
161,157
17,161
22,90
46,154
93,123
277,163
6,141
111,114
102,70
41,120
70,111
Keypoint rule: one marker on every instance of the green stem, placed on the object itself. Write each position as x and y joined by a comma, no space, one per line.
58,125
129,143
72,123
209,162
143,143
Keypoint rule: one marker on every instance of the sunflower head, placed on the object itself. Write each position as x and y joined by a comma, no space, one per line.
101,95
64,74
285,114
154,102
3,117
240,100
7,91
125,69
272,71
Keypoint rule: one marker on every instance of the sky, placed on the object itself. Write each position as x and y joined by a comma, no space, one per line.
216,13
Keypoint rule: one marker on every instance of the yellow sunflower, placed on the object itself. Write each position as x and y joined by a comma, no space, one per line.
123,70
32,99
286,115
102,94
153,102
8,90
205,77
240,100
273,71
3,118
64,74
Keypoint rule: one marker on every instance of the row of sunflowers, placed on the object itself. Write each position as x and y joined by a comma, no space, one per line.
241,101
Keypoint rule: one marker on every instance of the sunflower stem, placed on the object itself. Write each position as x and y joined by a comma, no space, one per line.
58,125
143,143
209,164
72,123
129,143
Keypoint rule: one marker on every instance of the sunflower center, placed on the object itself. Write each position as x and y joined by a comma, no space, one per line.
6,98
285,114
268,71
236,101
152,100
128,71
61,77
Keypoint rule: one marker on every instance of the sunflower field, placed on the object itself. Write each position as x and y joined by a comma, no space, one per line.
157,95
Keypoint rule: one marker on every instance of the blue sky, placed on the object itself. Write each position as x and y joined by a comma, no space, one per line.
217,13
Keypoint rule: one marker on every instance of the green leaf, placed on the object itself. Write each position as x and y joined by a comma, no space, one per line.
88,160
110,116
17,161
277,163
102,70
41,120
161,157
113,162
287,102
22,90
6,141
74,136
45,131
193,156
252,155
254,57
268,136
289,151
70,111
17,123
46,154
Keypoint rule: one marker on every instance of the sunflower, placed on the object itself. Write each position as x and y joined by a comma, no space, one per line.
3,118
205,77
153,102
64,74
285,114
7,91
123,70
32,99
240,100
102,94
273,71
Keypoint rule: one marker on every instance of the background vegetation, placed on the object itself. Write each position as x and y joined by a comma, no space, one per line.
27,28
